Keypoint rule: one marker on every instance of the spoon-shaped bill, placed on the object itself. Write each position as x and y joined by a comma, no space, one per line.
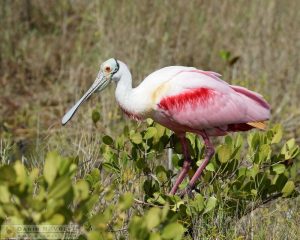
72,111
99,84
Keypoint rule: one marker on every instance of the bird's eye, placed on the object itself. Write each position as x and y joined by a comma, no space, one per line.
107,69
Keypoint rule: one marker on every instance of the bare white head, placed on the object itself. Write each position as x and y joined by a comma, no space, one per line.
110,70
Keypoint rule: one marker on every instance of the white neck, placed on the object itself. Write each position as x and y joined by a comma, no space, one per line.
124,85
130,99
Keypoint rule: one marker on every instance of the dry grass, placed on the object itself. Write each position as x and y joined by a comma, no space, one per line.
278,220
50,53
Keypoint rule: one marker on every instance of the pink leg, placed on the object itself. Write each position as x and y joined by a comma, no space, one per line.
186,164
208,155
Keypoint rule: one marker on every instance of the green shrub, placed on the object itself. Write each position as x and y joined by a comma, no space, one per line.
136,204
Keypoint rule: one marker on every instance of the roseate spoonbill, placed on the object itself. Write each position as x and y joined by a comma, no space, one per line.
183,99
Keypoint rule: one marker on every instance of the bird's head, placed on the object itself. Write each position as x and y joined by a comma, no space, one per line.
109,71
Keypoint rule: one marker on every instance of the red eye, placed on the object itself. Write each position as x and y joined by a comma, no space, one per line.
107,69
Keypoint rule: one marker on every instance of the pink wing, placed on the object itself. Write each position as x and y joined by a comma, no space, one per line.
200,100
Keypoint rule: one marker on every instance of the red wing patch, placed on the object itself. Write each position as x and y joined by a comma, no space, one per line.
193,98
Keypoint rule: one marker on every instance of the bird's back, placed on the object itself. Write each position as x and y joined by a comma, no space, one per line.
191,99
163,75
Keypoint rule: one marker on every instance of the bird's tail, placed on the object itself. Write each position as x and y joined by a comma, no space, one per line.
262,125
252,95
258,109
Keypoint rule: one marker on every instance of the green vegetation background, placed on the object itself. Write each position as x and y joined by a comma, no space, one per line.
50,52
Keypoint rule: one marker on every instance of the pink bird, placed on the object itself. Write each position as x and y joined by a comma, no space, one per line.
183,99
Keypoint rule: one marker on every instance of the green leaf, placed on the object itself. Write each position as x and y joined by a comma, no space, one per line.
136,228
150,133
152,218
228,140
280,181
160,130
288,188
60,187
52,206
111,167
33,175
91,201
173,231
225,55
161,173
290,149
4,194
253,171
7,174
164,211
21,173
126,131
157,199
56,219
52,163
64,166
136,138
93,177
224,152
120,141
178,148
125,201
95,116
94,235
107,140
295,152
149,121
254,140
81,190
38,204
254,192
238,142
279,168
291,143
278,134
154,236
210,167
198,203
101,220
211,204
264,153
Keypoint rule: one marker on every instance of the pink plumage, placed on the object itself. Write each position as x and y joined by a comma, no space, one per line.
213,105
183,99
200,102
